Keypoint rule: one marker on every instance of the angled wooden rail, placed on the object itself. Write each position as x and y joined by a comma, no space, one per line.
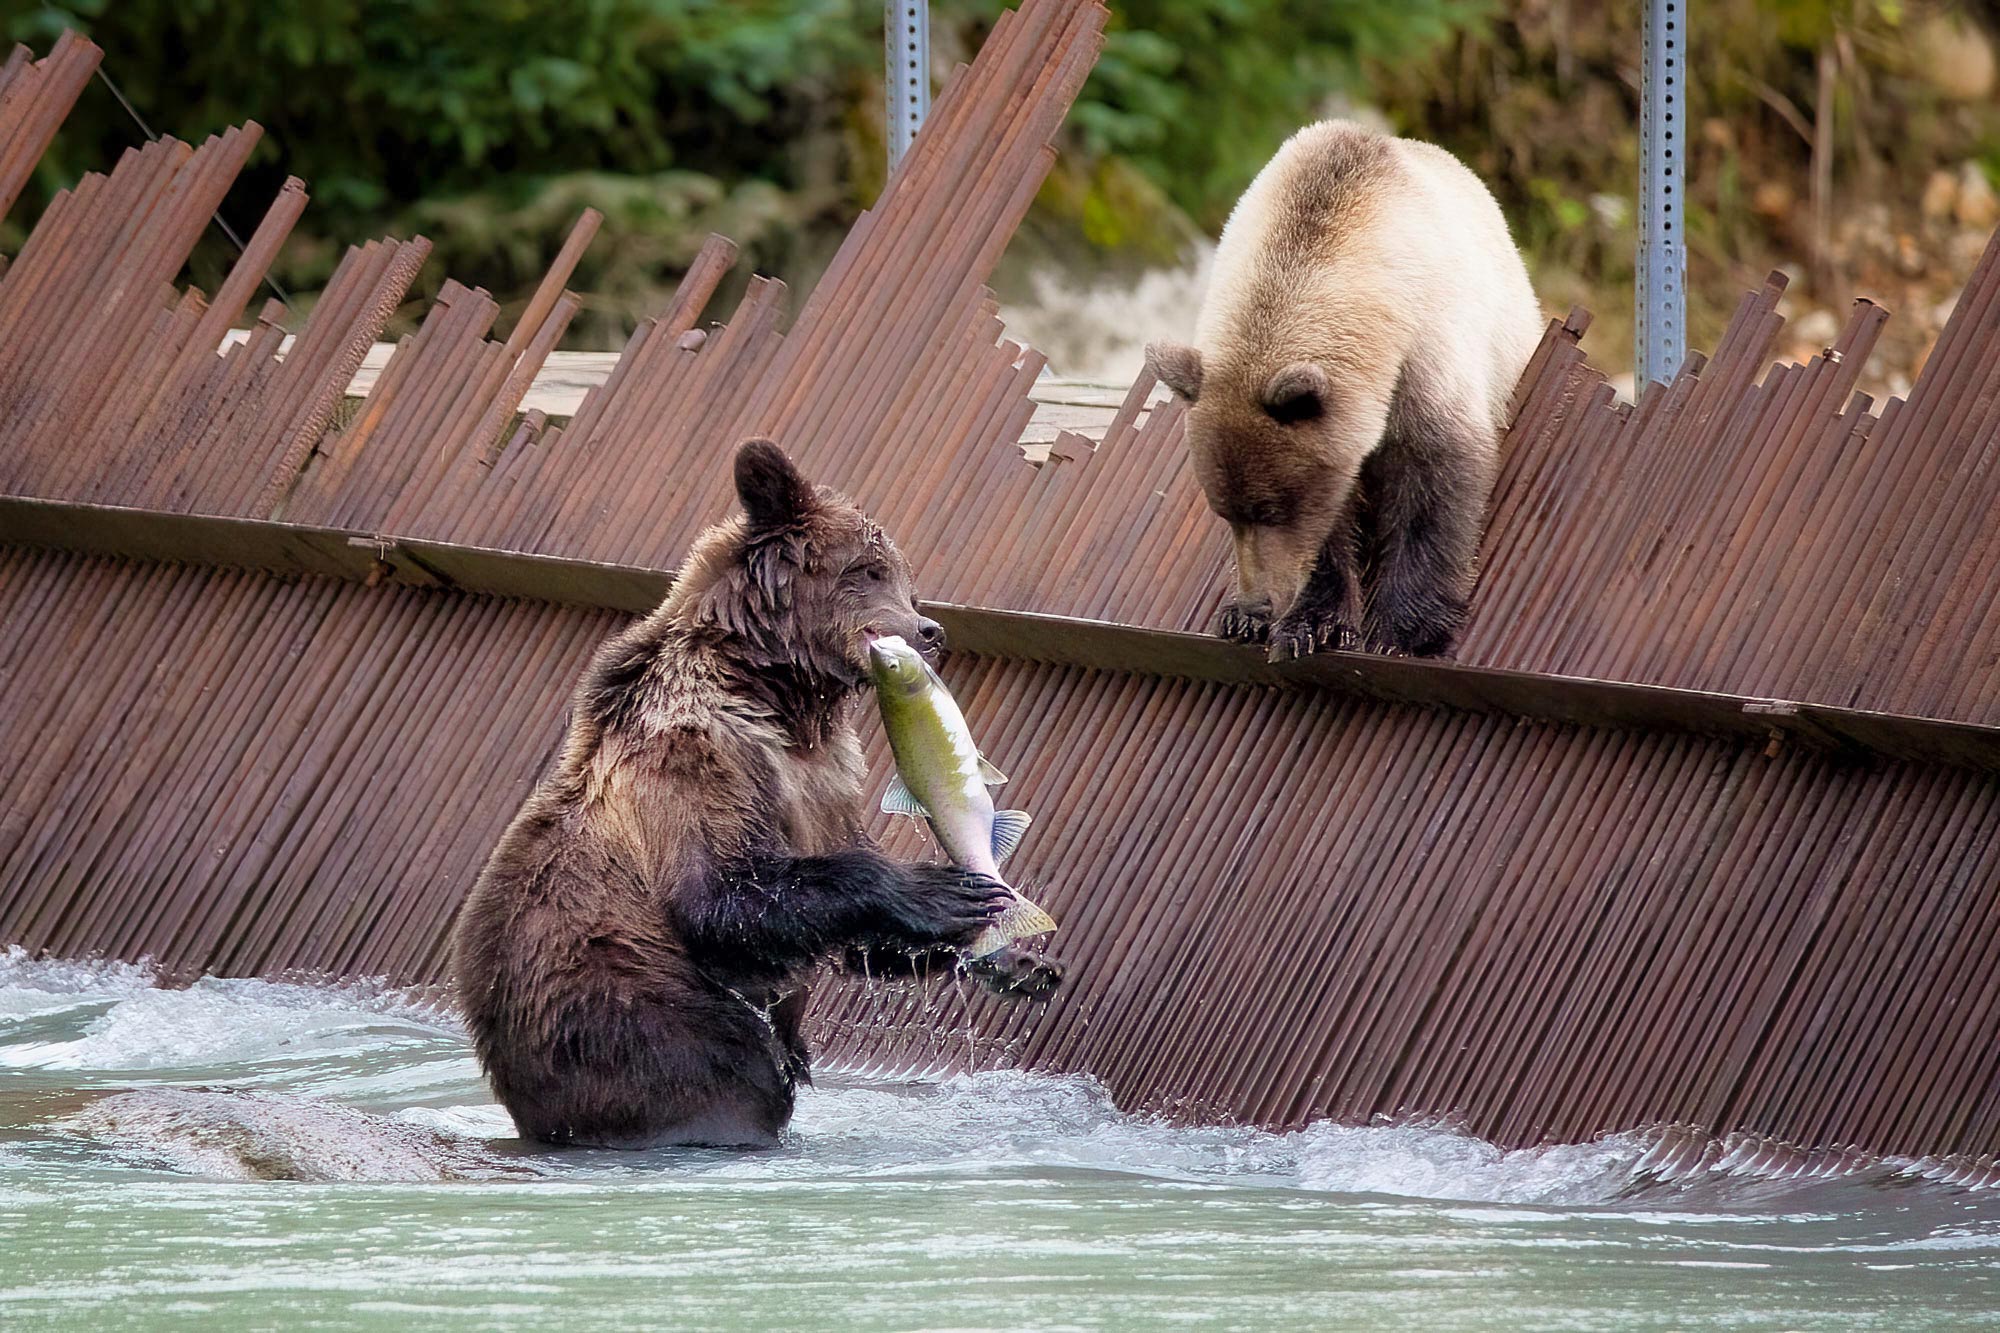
291,550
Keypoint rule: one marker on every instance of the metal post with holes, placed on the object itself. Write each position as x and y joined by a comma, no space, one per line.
1661,328
907,35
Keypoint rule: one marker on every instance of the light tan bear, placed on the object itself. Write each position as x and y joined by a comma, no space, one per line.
1365,323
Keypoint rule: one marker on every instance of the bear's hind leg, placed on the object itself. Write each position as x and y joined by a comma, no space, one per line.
686,1064
1427,489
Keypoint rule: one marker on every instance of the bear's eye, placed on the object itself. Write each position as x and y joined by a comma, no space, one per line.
877,574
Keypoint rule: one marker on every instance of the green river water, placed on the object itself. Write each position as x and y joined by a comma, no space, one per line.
996,1201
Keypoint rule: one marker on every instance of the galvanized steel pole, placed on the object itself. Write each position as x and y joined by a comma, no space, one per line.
907,77
1661,326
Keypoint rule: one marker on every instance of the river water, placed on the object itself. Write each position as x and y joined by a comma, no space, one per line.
996,1201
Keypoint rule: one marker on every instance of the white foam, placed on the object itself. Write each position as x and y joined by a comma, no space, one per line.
464,1122
34,988
374,1047
216,1021
979,1122
1434,1163
21,971
1099,330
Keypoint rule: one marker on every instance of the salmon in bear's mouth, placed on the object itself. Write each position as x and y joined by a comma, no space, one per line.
870,636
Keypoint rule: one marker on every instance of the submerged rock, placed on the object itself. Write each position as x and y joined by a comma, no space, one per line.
236,1135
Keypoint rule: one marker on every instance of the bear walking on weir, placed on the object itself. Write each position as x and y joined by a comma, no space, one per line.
1366,320
633,960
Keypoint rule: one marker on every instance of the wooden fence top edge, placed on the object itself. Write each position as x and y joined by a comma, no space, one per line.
296,550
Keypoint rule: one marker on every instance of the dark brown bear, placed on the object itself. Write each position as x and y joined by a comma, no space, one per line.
632,961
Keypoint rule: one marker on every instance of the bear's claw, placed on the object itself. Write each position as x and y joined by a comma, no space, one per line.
1300,634
945,904
1015,974
1242,622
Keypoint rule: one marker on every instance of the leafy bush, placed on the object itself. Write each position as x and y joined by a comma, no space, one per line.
489,122
379,103
1199,93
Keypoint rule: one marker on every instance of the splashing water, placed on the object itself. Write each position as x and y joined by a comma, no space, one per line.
1098,330
997,1200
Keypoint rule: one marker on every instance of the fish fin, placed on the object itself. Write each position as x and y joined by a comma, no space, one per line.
990,775
900,800
1029,919
1019,921
1008,826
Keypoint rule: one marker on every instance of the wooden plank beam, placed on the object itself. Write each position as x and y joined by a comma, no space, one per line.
289,550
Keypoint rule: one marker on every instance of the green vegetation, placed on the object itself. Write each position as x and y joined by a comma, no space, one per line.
1818,129
487,124
1198,95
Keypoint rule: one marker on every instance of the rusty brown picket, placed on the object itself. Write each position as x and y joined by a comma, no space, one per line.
1703,829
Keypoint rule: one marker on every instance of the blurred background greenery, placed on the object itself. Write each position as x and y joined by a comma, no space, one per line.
1856,142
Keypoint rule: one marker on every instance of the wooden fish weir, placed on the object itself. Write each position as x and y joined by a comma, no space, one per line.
1702,831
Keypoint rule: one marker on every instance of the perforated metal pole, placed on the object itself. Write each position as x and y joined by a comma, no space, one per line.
1661,336
907,36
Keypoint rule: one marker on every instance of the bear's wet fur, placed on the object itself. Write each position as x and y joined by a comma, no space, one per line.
632,961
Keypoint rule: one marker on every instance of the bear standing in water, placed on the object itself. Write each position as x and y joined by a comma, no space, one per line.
632,960
1365,323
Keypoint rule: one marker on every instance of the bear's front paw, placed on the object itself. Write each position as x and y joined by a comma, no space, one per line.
1244,622
945,904
1313,629
1013,973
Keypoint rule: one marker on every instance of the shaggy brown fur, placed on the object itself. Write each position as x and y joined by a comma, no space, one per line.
632,960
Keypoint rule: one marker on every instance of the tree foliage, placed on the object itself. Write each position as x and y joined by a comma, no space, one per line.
1198,93
488,123
381,103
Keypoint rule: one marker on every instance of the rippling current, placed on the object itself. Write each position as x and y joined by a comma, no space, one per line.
995,1201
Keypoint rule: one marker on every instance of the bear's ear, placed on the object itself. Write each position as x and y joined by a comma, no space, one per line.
1296,393
773,493
1177,366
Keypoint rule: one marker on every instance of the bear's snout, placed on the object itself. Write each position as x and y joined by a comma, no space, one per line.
930,635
